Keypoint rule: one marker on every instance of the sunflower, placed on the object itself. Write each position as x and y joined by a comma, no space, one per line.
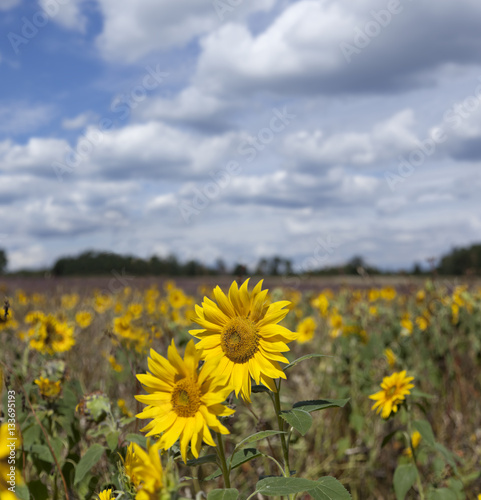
182,401
242,334
394,389
9,442
49,389
49,334
144,470
306,329
105,495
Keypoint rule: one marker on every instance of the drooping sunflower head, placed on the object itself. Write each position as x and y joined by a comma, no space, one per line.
394,390
240,330
183,402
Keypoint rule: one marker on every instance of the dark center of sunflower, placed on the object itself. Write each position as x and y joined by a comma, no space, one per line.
240,340
52,334
186,398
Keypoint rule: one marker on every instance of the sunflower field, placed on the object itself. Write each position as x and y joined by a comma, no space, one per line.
241,391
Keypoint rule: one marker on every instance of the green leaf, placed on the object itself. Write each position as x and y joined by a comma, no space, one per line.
259,388
227,494
274,486
22,492
239,458
404,477
38,489
329,488
137,439
257,437
415,393
442,494
206,459
302,358
424,428
299,419
112,439
243,456
42,452
91,457
388,438
448,456
320,404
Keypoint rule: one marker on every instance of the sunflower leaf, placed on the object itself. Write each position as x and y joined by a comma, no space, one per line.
237,459
320,404
301,420
227,494
206,459
257,437
302,358
329,488
91,457
276,486
424,428
259,388
137,439
404,478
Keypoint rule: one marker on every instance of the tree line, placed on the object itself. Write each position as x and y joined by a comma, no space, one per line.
460,261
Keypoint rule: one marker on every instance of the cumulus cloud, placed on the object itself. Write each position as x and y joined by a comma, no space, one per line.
302,49
134,29
69,14
386,139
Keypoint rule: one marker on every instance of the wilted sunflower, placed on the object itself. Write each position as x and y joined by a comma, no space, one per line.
183,402
242,333
394,389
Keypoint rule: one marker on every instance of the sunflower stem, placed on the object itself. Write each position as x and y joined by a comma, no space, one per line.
280,423
223,464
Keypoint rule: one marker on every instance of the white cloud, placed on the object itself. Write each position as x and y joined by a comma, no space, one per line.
133,29
78,121
189,106
69,14
21,117
301,50
383,142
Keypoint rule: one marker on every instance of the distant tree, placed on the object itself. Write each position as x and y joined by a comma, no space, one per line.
417,269
461,261
3,261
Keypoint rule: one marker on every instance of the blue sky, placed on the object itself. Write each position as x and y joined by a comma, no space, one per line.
314,129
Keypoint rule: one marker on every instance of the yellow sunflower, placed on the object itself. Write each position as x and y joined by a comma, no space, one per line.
306,329
394,389
144,469
182,401
49,389
106,495
242,334
50,335
9,478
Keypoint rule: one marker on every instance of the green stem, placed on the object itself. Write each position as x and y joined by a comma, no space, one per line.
285,450
223,464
